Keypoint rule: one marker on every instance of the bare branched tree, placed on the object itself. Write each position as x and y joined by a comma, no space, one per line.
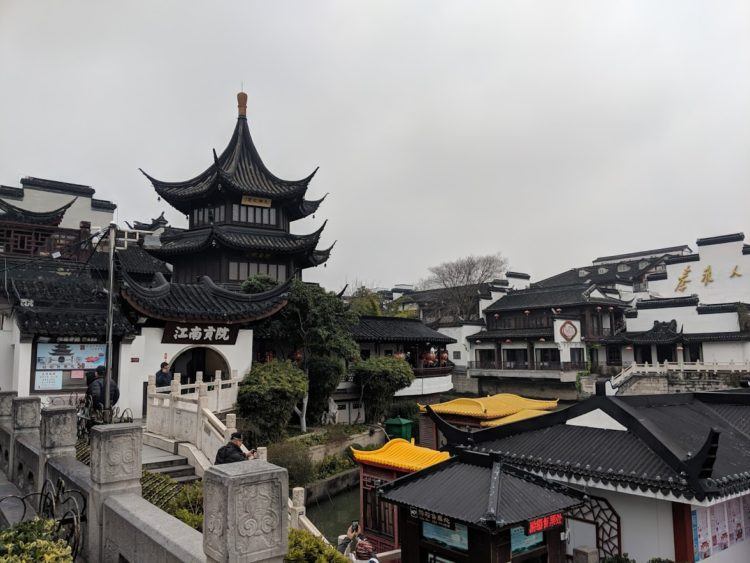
460,281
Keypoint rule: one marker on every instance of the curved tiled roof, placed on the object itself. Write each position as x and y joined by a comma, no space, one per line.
692,445
201,302
238,238
492,407
396,329
544,297
306,208
19,215
515,417
400,455
237,169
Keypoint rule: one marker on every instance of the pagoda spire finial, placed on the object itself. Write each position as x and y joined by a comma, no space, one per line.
242,104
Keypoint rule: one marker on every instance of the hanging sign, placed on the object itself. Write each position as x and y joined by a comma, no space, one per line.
568,331
544,523
256,201
193,333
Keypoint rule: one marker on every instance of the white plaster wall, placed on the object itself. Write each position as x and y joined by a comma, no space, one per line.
6,354
722,258
427,386
41,200
726,351
687,318
646,525
460,333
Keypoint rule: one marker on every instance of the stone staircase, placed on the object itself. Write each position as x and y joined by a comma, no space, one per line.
166,463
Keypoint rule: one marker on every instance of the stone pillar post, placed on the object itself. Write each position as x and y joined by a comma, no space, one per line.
6,429
115,469
297,509
231,425
58,436
245,506
25,423
175,391
262,453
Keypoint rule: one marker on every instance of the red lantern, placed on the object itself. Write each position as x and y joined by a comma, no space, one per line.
542,339
497,316
598,307
527,312
508,341
611,308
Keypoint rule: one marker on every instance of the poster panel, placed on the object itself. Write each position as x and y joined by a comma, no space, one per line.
48,380
67,356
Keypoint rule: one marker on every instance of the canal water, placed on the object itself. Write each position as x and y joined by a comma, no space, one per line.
333,517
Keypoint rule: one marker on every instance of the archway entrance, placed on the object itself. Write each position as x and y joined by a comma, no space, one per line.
202,359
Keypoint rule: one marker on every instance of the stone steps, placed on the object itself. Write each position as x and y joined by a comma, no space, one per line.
166,463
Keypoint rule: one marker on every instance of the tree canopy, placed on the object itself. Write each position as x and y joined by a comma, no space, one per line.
315,322
380,377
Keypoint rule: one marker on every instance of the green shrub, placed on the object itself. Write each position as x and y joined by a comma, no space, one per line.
324,375
404,408
31,541
293,456
306,548
380,378
333,464
187,505
618,559
266,400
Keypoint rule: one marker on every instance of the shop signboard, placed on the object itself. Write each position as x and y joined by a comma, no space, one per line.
192,333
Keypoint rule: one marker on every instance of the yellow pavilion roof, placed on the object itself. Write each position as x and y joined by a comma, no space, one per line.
400,454
520,415
492,407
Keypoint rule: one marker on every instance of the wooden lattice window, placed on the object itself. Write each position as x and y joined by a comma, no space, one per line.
599,512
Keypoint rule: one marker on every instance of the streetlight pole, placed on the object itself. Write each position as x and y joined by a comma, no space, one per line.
107,414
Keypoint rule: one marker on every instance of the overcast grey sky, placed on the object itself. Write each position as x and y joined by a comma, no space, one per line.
553,132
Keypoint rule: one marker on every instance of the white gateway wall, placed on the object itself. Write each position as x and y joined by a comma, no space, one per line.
81,210
723,259
461,347
150,353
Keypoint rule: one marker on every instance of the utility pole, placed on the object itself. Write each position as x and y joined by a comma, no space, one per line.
107,414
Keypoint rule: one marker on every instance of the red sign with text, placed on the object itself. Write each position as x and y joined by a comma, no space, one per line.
544,523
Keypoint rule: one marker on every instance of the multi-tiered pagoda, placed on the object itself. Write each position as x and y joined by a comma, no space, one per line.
239,216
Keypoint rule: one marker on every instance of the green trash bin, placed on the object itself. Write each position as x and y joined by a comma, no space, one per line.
398,428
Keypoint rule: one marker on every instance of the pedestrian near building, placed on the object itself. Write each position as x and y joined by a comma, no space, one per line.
163,376
96,389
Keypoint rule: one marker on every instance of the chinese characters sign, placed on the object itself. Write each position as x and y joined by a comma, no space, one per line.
192,333
431,517
544,523
707,277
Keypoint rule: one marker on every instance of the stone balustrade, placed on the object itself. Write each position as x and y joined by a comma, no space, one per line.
245,503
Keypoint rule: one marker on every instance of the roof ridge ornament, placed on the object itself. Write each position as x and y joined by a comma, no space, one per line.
242,104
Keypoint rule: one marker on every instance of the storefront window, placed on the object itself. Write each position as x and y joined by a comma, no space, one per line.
521,543
451,538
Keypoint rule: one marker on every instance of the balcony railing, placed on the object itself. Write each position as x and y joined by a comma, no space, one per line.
433,372
505,365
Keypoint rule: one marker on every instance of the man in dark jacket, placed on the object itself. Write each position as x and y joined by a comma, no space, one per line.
233,451
96,389
163,376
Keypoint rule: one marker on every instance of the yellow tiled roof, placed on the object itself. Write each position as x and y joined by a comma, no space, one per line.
400,454
520,415
492,407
